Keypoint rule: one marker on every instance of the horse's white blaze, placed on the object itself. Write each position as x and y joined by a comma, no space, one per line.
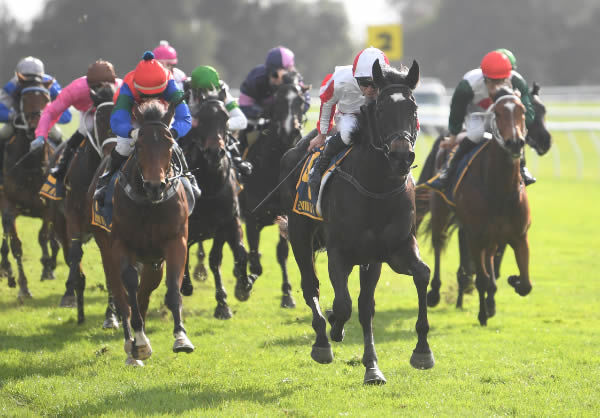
288,125
141,339
397,97
510,106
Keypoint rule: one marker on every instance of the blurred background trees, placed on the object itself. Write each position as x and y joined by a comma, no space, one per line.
555,41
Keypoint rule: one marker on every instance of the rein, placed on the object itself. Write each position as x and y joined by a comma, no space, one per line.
362,190
94,140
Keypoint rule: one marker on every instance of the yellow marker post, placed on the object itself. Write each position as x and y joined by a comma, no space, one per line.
388,38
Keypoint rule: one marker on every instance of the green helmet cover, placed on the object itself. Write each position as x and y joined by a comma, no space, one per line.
205,77
510,56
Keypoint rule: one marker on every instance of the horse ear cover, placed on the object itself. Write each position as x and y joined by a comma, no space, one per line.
412,78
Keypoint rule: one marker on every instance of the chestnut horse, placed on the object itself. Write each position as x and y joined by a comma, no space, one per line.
70,217
149,229
491,206
24,174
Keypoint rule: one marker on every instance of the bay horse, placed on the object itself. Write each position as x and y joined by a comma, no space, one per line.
286,115
491,206
216,214
538,138
368,207
149,230
70,215
24,174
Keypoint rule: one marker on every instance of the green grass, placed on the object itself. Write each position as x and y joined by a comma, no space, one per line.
538,356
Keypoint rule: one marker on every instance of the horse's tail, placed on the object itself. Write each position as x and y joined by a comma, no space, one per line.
446,233
423,194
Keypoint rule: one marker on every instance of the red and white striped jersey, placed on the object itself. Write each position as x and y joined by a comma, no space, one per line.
340,90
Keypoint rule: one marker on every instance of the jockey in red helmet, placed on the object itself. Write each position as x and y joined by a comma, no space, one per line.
473,94
149,80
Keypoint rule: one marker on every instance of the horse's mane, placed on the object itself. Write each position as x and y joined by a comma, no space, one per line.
152,110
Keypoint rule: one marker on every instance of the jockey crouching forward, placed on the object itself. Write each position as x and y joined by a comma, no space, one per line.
205,82
472,95
83,94
149,80
29,70
347,89
258,89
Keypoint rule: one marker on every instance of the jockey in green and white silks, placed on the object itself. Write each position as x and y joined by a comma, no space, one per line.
472,96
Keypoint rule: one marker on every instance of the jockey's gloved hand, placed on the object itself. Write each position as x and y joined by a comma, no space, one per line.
37,143
133,134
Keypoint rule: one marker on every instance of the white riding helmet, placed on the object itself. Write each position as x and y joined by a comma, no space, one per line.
362,67
30,68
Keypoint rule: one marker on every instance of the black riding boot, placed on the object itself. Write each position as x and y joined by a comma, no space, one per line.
334,146
185,169
59,170
116,160
243,167
447,172
525,174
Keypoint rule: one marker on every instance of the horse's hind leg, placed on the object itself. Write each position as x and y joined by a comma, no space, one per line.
76,277
369,276
481,281
140,349
521,283
439,221
9,225
301,239
215,258
5,267
187,288
463,276
43,238
491,289
287,301
339,270
244,281
175,256
253,234
200,272
54,248
498,259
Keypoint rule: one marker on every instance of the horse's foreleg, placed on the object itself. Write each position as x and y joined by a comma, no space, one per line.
215,258
339,270
5,267
187,288
463,276
521,283
140,348
253,234
43,238
149,282
302,246
76,278
439,221
244,281
200,272
369,276
10,227
287,301
113,287
175,256
481,280
498,259
491,289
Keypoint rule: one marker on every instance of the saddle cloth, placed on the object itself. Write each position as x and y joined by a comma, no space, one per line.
454,182
52,189
304,203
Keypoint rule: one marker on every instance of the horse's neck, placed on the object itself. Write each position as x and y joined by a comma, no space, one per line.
372,170
501,173
212,179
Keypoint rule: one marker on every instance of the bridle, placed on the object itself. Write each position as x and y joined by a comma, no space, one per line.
33,89
221,106
400,135
495,131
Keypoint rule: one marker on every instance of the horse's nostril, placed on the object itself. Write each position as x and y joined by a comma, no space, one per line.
410,158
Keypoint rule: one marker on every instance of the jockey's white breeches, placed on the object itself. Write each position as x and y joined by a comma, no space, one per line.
125,146
346,123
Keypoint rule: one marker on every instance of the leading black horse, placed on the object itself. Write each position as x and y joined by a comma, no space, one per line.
369,212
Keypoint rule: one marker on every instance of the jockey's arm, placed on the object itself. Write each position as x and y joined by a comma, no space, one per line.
463,95
6,106
120,119
520,84
182,121
55,90
54,111
237,120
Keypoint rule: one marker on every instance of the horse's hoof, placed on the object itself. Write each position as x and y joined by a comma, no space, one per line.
47,275
24,294
255,266
223,312
68,301
323,355
433,298
200,273
466,284
141,352
287,301
182,343
110,322
373,376
482,319
6,270
490,307
12,282
242,292
133,362
520,287
336,334
422,361
187,288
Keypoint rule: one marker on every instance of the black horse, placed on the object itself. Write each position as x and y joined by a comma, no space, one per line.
369,211
286,116
539,138
217,212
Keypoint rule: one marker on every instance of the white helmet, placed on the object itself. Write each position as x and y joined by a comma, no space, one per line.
30,68
363,63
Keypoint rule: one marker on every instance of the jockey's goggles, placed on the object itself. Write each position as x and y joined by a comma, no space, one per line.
366,82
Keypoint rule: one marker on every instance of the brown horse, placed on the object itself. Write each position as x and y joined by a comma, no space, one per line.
149,228
23,178
70,217
491,206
